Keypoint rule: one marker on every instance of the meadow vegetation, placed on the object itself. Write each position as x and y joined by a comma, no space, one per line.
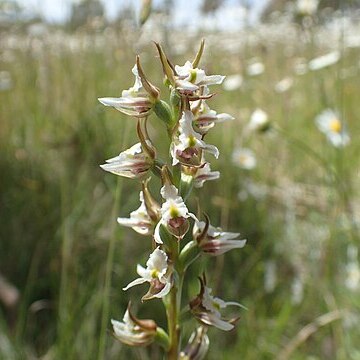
299,273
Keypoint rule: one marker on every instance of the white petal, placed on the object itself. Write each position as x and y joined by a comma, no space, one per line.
164,291
157,261
142,272
134,282
157,237
169,191
213,79
223,117
109,101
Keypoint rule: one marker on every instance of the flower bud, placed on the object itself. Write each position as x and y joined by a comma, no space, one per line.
145,11
168,71
152,90
163,112
196,61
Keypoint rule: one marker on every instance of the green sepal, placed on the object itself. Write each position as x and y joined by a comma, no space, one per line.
163,112
162,338
186,185
168,239
188,255
175,100
176,175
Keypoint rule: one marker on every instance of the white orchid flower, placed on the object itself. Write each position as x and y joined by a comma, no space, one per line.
139,220
134,332
213,241
131,163
324,61
307,7
156,273
206,308
204,173
244,158
173,213
329,123
233,82
205,118
189,79
134,101
255,67
259,121
188,144
284,84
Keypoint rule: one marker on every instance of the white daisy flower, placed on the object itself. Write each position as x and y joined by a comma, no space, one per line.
233,82
244,158
255,68
330,124
259,121
324,61
307,7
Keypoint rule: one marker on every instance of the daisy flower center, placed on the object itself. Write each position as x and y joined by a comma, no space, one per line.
335,125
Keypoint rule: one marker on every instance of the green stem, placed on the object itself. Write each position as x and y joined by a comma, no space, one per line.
173,315
174,328
109,266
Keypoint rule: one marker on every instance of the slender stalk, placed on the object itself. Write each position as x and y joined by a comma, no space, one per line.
108,269
174,328
173,315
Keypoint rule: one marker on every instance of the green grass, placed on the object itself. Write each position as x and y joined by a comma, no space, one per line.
60,244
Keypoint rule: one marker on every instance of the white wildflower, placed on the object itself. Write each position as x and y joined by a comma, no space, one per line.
330,124
244,158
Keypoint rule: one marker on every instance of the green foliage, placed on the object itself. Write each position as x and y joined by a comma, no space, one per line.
55,223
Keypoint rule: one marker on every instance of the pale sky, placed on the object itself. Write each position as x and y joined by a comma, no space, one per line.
186,10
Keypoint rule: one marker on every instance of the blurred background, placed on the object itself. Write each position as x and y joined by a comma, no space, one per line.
290,185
